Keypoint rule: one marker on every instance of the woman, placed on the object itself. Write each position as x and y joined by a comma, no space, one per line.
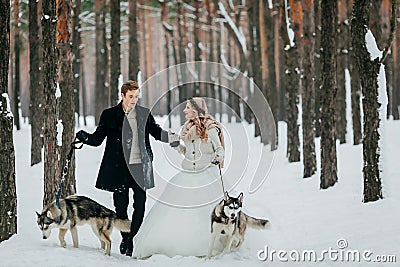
179,222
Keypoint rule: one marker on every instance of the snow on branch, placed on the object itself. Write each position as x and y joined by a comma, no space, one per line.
239,35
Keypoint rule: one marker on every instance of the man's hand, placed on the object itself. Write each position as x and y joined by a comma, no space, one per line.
173,139
82,136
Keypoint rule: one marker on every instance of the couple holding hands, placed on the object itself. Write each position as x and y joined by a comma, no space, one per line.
182,228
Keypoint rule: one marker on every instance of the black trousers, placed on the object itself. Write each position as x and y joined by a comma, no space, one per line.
121,202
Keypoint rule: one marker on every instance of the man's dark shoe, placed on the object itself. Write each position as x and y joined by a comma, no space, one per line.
123,246
129,248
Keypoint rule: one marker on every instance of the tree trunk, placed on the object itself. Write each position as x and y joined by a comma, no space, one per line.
368,71
100,91
36,92
389,65
168,33
341,66
375,22
76,67
317,65
183,96
292,97
328,95
198,88
211,91
308,95
396,76
115,50
253,12
8,195
17,70
66,101
270,83
355,88
50,57
133,42
83,85
279,60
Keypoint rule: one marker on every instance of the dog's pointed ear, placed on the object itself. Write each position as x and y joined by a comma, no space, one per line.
37,213
49,214
226,196
240,197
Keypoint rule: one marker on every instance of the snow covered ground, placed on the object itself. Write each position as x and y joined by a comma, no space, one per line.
333,223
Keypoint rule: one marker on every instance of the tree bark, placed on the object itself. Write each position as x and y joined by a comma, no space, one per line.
376,22
168,33
50,57
183,96
396,76
36,91
328,95
66,102
100,91
17,70
133,42
115,50
8,195
270,83
308,95
342,65
292,97
253,12
76,48
355,88
368,70
317,65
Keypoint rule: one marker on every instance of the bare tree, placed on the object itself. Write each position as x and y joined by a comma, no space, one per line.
255,63
292,97
368,69
76,47
36,89
115,49
51,153
328,94
308,94
101,62
133,41
8,195
355,89
17,70
270,83
66,102
341,65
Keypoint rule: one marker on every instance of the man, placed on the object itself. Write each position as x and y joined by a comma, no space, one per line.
127,159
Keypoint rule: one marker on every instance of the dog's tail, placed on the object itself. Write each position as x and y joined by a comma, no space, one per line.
257,223
124,225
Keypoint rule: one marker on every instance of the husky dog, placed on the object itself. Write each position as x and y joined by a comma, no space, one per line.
230,223
79,210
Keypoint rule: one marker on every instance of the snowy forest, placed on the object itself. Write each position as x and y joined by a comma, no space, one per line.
64,61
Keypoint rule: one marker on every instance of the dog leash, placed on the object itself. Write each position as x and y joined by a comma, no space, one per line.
222,181
66,168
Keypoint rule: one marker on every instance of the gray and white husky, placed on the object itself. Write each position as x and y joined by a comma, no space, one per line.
79,210
229,223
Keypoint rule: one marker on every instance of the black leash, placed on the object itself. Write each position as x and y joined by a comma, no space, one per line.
66,168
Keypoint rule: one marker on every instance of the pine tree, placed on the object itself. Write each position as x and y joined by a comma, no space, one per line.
8,195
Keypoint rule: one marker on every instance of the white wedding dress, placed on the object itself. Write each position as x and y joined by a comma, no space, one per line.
179,222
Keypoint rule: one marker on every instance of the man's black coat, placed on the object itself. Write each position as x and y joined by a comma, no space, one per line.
114,174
